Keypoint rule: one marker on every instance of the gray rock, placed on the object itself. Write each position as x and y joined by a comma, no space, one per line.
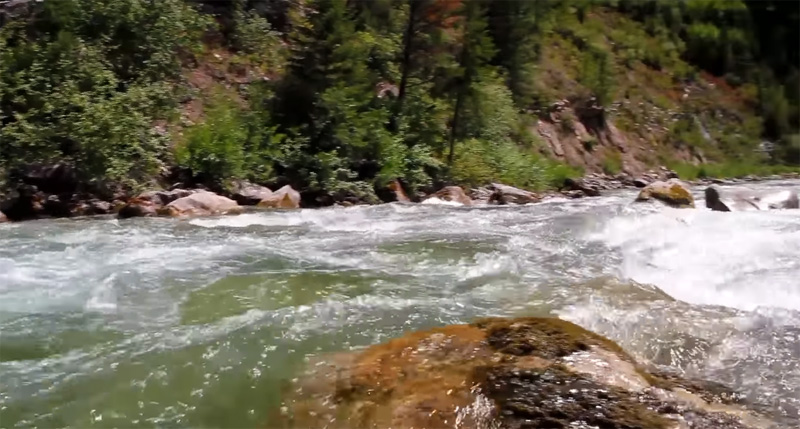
248,194
734,200
504,194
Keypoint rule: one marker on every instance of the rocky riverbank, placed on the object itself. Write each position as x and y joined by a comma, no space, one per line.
55,192
510,373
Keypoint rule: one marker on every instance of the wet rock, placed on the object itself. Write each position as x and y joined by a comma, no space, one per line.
481,195
162,198
149,203
56,206
138,207
640,183
509,373
584,185
573,194
3,218
722,200
248,194
24,203
202,203
453,194
672,193
91,208
284,198
504,194
399,193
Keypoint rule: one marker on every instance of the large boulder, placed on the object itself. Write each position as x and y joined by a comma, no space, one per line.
504,373
734,200
451,194
284,198
202,203
249,194
672,193
504,194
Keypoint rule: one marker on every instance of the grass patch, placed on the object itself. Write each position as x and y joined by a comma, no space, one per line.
726,170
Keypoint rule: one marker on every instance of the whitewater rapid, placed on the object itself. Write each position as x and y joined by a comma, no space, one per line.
203,322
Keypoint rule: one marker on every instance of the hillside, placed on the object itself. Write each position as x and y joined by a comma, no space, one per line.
339,98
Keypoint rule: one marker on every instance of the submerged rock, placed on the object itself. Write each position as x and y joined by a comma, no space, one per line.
509,373
248,194
202,203
284,198
453,194
721,200
504,194
672,193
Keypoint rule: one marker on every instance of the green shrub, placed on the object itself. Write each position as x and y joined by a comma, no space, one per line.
612,163
215,148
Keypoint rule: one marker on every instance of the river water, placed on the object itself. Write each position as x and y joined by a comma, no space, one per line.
205,322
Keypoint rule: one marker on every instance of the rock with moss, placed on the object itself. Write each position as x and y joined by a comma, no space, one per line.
673,193
503,373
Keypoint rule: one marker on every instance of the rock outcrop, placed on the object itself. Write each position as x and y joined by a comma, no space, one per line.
284,198
248,194
733,200
201,203
451,194
503,373
672,193
504,194
148,203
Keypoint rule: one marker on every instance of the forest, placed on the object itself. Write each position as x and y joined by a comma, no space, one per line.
340,97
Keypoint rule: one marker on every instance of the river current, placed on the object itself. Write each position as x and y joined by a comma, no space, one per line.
205,322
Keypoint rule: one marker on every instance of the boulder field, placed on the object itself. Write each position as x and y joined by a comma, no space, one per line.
504,373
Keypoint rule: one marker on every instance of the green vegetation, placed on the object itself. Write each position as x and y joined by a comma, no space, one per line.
730,170
340,97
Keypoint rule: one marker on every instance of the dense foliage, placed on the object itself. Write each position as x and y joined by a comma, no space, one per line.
354,94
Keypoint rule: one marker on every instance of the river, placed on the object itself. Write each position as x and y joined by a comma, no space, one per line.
205,322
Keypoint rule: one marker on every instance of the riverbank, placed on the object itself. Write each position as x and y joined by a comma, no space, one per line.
52,192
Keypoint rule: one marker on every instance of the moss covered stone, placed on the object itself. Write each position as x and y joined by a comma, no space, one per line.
501,373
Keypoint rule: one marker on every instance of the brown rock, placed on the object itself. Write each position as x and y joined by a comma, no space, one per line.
138,207
3,218
672,193
453,194
504,194
509,373
399,193
284,198
202,203
248,194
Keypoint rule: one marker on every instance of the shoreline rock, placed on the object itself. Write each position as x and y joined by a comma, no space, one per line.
498,372
203,203
284,198
723,200
452,194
